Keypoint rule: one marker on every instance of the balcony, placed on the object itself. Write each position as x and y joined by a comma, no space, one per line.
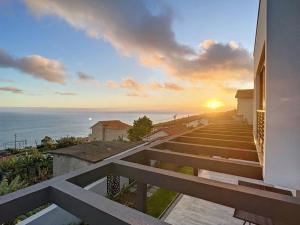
222,148
260,133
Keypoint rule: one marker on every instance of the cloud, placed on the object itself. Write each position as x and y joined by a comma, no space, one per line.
88,79
112,84
84,77
126,83
66,93
134,30
14,90
36,66
167,85
137,89
136,94
173,86
131,84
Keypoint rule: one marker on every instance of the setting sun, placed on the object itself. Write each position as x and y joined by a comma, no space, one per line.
213,104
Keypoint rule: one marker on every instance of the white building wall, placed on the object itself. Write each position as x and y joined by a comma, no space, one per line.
261,36
110,134
245,109
193,124
114,134
282,123
96,134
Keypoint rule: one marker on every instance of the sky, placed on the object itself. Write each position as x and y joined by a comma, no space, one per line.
126,55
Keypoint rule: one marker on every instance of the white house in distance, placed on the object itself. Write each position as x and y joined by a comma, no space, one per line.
245,104
277,91
163,132
109,130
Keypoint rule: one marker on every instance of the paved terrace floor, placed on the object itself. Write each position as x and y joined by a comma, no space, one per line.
190,210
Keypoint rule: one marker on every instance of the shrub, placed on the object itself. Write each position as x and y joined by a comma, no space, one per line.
14,185
68,141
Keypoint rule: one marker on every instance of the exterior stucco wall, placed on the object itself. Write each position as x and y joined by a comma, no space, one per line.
282,119
114,134
245,108
261,33
260,39
64,164
110,134
96,134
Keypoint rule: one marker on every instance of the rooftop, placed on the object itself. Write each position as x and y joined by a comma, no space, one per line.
170,130
113,124
95,151
225,147
244,93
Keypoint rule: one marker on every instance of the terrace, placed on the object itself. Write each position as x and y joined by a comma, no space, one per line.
225,147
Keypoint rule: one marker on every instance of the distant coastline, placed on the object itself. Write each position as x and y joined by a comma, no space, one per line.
32,124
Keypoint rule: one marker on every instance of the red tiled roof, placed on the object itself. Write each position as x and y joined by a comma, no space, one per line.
246,93
113,124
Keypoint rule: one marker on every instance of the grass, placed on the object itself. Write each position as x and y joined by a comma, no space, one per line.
159,201
186,170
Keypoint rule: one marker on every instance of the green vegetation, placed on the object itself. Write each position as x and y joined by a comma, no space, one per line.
14,185
186,169
141,127
159,201
24,167
31,167
47,143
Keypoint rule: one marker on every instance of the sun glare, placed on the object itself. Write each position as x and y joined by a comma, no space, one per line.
213,104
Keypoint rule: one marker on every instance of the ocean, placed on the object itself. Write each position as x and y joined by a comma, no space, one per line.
33,124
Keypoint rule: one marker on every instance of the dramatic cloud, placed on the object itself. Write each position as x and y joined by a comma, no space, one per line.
135,31
66,93
36,66
12,90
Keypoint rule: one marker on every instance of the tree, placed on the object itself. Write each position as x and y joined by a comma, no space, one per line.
47,143
141,127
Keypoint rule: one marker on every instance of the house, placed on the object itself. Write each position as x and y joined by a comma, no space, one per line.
277,91
109,130
74,157
163,132
245,104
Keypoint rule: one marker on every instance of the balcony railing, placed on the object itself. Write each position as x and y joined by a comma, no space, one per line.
260,129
